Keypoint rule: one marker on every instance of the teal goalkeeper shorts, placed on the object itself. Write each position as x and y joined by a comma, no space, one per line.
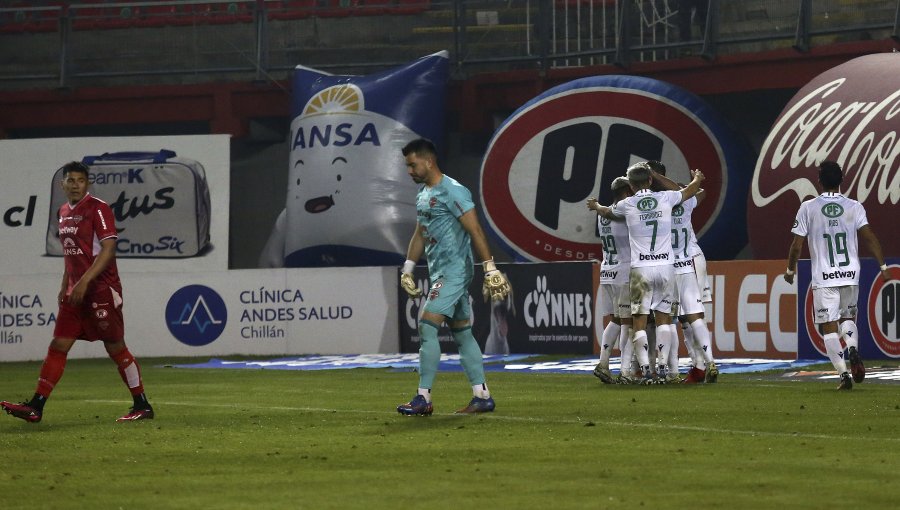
450,298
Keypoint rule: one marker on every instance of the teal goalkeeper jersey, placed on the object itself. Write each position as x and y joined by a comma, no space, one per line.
448,247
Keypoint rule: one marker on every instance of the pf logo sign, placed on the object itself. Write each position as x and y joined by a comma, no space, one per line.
847,114
884,313
569,144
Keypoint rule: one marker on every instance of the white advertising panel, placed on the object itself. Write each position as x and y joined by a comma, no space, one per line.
154,222
254,312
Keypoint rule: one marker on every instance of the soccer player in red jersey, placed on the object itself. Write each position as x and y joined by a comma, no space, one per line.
90,297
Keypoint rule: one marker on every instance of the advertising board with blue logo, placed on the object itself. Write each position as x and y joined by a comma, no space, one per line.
254,311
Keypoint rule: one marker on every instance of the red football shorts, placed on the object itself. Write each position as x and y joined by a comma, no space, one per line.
98,318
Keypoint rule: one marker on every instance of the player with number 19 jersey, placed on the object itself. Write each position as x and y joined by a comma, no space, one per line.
616,251
830,223
447,244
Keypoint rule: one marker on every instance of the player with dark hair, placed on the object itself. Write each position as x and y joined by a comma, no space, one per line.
649,217
614,295
90,297
447,230
833,223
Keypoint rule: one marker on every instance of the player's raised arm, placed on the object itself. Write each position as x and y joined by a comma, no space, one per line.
602,210
694,186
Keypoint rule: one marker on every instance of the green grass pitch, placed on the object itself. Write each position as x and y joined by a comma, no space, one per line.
332,439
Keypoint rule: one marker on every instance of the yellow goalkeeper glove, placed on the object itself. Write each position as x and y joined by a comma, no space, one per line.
407,283
496,287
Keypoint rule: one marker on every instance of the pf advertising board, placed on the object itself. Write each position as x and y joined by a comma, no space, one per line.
171,206
570,142
878,312
549,311
848,114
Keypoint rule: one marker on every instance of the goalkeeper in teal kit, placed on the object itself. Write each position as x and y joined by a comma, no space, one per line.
446,231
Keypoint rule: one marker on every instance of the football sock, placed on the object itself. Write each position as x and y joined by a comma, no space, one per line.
835,352
673,351
703,340
140,401
481,391
425,392
129,370
690,346
849,334
627,349
429,353
51,372
663,344
642,348
607,341
469,354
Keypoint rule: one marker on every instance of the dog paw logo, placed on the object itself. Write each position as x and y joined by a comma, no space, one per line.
541,299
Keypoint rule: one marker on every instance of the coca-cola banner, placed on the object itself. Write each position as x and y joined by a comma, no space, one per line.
848,114
550,310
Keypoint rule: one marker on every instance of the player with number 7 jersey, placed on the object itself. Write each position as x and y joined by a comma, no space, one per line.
648,215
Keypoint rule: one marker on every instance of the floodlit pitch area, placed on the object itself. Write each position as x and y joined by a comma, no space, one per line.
332,439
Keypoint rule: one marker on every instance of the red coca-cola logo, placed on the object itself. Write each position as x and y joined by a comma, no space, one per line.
848,114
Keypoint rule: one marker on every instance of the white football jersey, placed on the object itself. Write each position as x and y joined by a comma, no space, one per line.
616,250
683,236
649,217
830,223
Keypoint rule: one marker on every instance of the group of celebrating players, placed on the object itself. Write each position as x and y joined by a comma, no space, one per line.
652,264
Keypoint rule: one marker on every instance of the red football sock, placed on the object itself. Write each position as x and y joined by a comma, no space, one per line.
129,370
51,371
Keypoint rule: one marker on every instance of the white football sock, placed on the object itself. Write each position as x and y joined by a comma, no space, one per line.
607,341
627,349
850,334
663,344
425,392
703,339
835,352
481,390
673,351
641,348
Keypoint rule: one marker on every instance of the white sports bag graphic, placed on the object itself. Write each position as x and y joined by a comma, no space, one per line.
160,202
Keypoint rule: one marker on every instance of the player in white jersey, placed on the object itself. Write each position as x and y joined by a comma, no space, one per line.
832,223
689,297
649,218
614,296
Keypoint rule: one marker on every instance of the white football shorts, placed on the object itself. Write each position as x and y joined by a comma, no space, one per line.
833,303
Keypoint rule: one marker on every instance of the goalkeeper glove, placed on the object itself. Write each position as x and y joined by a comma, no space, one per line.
496,286
407,283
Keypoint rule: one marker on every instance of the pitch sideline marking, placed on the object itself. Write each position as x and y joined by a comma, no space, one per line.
686,428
